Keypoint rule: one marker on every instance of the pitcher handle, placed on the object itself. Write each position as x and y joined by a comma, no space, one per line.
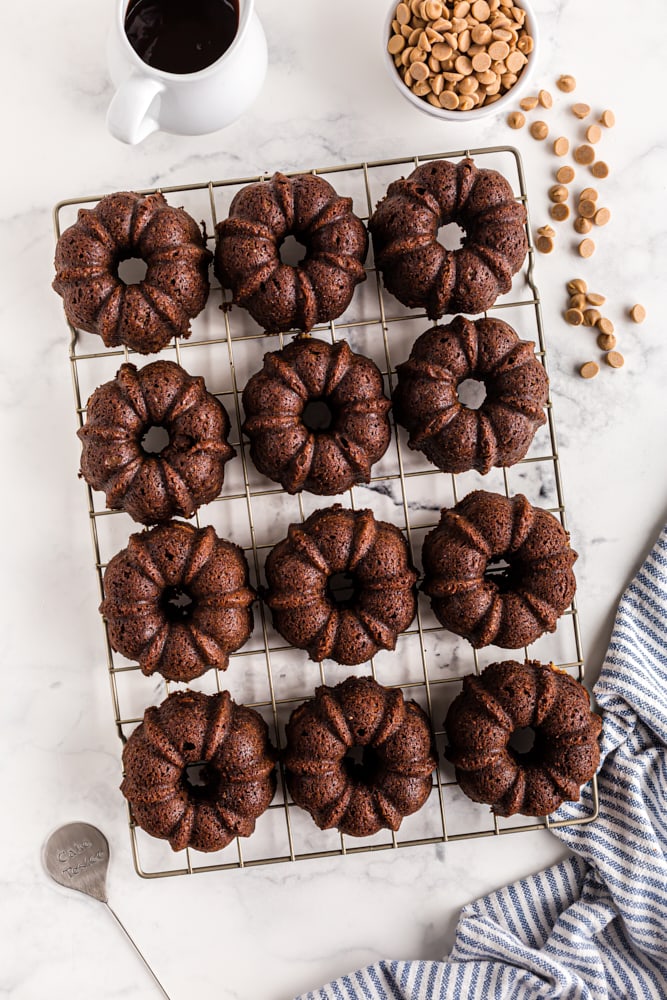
127,116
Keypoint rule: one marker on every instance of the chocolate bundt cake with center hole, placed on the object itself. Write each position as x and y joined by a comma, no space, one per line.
143,316
417,268
282,444
338,548
177,600
247,256
187,472
510,696
393,779
227,743
453,436
473,594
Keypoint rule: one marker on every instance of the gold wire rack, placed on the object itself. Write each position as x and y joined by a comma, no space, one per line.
428,664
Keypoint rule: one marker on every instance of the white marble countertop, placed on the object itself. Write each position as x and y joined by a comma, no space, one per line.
273,932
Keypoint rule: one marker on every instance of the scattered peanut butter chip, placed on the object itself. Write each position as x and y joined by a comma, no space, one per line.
558,193
544,244
516,119
638,314
584,154
574,317
595,299
560,211
615,359
587,209
602,217
588,194
605,325
591,317
589,370
581,110
561,145
565,175
606,341
586,248
528,103
608,119
593,133
582,225
578,301
577,286
600,169
566,83
546,231
545,98
539,130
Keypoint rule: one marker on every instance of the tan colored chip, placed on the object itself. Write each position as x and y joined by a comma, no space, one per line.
606,341
539,130
638,313
565,175
586,248
528,103
481,34
561,145
608,119
546,231
566,83
582,226
545,99
615,359
558,193
433,9
516,119
560,212
600,169
581,110
403,13
449,100
544,244
605,325
480,10
587,209
591,317
588,194
593,133
602,217
584,154
499,50
481,62
420,71
574,317
577,286
396,44
463,65
595,299
589,370
578,301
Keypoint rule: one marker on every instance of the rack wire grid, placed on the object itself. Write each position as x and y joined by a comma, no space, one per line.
227,347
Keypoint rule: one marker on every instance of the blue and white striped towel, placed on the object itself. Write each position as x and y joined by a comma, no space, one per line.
595,926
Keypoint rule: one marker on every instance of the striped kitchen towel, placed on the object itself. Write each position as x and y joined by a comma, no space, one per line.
594,926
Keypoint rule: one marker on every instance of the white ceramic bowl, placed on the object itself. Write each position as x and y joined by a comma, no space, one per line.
502,104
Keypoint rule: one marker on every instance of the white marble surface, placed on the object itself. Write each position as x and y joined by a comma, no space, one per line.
272,932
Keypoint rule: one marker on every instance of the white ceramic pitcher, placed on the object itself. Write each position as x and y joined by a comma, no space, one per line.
149,100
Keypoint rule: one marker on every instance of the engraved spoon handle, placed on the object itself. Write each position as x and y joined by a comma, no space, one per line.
143,959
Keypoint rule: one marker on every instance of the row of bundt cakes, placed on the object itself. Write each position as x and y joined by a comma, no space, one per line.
417,269
358,756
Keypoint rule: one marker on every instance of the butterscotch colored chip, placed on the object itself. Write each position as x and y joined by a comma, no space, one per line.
481,10
561,145
546,231
560,212
449,100
396,44
481,62
581,110
600,169
481,34
606,341
577,286
588,194
574,317
593,133
565,175
586,248
420,72
544,244
587,209
539,130
638,314
499,50
605,325
516,119
608,119
615,359
582,226
528,103
558,193
566,83
578,301
403,13
584,154
515,61
545,98
595,299
589,370
591,317
602,217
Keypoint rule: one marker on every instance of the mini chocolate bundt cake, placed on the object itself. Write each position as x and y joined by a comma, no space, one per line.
229,746
354,434
247,256
453,436
511,696
177,600
417,268
393,778
187,472
473,594
143,316
341,585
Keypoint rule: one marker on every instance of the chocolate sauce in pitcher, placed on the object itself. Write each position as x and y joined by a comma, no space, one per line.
181,36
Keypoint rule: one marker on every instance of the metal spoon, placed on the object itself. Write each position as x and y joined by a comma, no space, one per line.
77,856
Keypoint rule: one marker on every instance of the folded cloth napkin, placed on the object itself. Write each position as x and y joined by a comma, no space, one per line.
594,926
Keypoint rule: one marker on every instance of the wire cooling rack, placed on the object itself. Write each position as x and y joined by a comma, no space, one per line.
429,663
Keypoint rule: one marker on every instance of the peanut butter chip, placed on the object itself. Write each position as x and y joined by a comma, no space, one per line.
528,103
544,244
499,51
449,100
589,370
605,325
577,302
574,317
561,145
588,194
480,10
420,71
591,317
560,212
546,231
481,62
516,119
565,175
615,359
606,341
558,193
595,299
587,208
584,154
608,119
577,286
581,110
582,226
638,314
593,133
539,130
545,99
586,248
566,83
600,169
402,13
602,217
